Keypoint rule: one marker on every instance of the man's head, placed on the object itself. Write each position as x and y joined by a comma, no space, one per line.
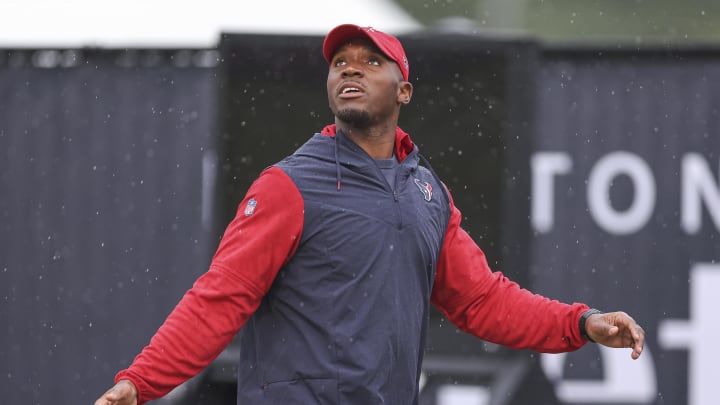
388,44
367,78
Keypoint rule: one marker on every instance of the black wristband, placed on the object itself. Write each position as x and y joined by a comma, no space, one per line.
584,318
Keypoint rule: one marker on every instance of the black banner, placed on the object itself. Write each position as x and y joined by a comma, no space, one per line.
626,212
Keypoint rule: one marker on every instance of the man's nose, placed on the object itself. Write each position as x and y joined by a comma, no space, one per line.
352,70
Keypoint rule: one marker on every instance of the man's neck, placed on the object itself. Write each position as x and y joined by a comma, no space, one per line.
378,142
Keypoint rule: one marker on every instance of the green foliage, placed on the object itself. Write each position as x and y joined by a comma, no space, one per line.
583,21
429,11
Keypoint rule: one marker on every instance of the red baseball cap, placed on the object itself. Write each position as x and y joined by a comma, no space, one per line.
388,44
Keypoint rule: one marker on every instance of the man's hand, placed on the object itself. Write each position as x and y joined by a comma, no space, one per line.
123,393
616,329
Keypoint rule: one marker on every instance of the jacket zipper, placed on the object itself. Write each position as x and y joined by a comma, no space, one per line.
395,194
397,197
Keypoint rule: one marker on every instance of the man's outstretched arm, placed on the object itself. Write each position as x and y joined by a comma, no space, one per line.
261,238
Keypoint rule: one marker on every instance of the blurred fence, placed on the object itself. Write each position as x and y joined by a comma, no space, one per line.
102,194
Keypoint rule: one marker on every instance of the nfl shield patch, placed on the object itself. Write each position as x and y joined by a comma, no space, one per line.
250,207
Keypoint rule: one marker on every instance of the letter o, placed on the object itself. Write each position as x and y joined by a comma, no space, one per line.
598,195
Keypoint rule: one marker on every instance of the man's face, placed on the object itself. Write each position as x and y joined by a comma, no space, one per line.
364,87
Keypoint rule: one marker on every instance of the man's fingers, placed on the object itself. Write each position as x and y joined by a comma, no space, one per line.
634,337
638,340
638,333
637,350
618,329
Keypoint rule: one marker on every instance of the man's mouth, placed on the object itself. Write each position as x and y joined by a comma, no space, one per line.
348,91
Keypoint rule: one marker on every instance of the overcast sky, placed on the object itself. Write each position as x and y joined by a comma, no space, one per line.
181,23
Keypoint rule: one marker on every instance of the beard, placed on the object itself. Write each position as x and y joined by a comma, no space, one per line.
354,117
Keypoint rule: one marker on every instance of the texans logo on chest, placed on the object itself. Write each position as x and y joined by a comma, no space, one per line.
425,188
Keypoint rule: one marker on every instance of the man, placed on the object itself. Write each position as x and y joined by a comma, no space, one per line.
334,256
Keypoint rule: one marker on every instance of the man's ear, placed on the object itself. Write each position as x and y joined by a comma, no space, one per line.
405,91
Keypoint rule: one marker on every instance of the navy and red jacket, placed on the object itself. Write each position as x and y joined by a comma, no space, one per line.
328,272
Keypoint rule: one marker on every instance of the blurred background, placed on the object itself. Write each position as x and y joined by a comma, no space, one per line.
581,140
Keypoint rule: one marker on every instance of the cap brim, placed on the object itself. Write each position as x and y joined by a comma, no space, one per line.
339,36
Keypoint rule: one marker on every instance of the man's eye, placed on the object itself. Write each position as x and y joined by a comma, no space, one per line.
339,62
374,61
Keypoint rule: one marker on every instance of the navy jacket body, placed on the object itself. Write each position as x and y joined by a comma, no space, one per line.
346,318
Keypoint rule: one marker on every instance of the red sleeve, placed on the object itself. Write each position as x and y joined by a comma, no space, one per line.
493,308
263,235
